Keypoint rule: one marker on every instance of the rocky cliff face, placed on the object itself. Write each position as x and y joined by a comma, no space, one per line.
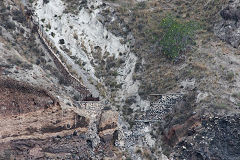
228,28
189,133
41,115
216,137
35,125
106,46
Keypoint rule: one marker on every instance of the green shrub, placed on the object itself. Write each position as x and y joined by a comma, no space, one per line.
18,16
230,76
236,95
176,36
9,25
141,5
53,34
45,1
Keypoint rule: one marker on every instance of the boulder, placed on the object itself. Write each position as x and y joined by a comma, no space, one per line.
217,138
108,125
228,28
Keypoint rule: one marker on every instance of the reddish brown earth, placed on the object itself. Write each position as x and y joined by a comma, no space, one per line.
175,134
34,125
19,98
30,121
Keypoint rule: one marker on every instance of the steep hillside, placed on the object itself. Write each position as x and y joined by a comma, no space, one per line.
56,56
42,116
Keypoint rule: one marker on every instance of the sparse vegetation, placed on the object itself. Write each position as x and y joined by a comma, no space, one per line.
74,6
176,36
9,25
61,41
53,34
48,26
230,76
236,95
157,38
63,81
45,1
77,97
75,36
18,16
221,106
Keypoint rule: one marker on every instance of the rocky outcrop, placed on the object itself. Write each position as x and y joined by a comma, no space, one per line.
108,125
57,147
217,138
228,28
199,134
20,98
175,134
34,125
41,119
230,13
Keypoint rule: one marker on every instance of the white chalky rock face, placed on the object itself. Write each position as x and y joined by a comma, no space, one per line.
91,33
201,96
149,140
89,30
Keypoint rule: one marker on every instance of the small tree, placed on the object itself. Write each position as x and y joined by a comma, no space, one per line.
176,36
